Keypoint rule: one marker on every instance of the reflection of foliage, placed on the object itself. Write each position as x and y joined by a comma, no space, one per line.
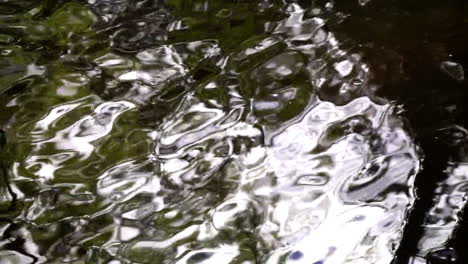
220,54
28,39
62,26
13,64
58,29
49,51
231,22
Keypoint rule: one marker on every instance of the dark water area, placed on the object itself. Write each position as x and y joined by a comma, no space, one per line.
216,131
413,40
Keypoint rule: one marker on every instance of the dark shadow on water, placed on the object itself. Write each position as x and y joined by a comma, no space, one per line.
408,41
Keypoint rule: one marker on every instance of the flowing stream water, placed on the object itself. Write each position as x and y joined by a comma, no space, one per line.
232,131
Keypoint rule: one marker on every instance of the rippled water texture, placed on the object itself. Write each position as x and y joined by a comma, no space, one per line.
200,132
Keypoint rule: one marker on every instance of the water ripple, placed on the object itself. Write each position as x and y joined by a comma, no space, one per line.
161,141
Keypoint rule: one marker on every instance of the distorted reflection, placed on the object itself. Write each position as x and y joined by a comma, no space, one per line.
449,198
202,132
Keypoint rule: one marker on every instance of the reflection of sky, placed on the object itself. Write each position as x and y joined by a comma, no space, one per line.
351,209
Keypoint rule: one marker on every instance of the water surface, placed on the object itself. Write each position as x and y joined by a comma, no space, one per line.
217,132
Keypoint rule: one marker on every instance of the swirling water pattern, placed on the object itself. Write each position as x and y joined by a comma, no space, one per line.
144,143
